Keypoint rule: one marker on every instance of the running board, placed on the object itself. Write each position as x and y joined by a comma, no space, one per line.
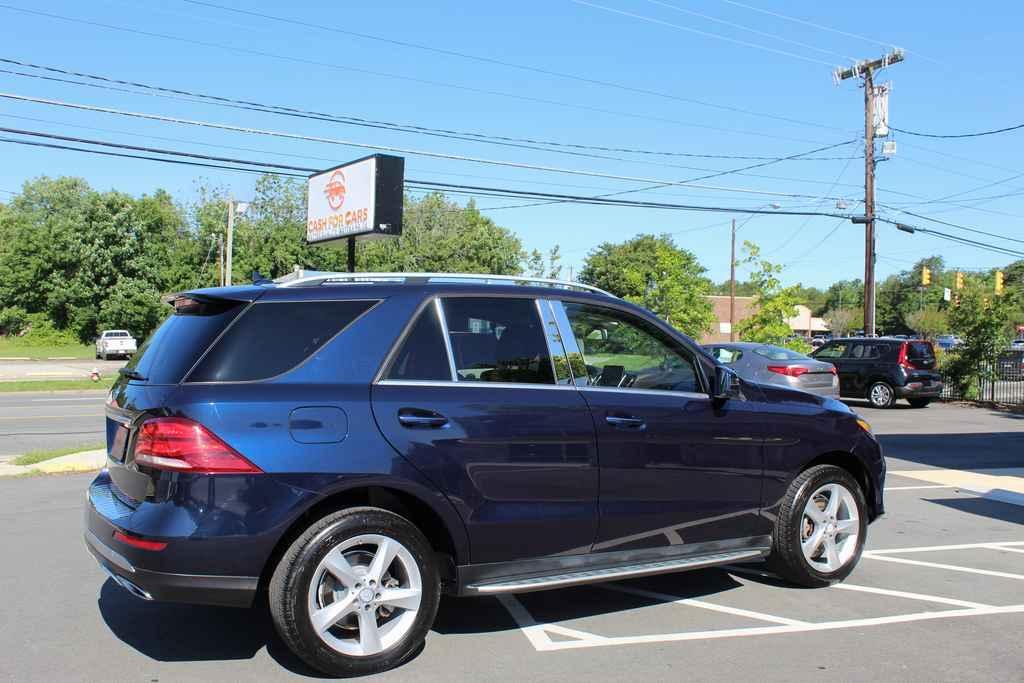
536,583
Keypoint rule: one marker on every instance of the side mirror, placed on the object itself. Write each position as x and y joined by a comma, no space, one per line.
727,384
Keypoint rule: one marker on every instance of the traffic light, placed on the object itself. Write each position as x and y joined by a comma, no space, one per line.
959,280
926,275
999,282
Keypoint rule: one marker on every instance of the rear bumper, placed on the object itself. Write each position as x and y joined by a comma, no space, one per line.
225,591
919,390
211,557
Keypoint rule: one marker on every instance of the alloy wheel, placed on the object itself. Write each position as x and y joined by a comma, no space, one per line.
830,528
364,595
881,394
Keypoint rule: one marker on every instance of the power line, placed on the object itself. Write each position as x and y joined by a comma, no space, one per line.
822,27
352,69
387,148
952,225
755,31
706,34
959,135
513,65
475,190
525,143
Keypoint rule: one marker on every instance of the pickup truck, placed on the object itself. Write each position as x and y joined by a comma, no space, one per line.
115,343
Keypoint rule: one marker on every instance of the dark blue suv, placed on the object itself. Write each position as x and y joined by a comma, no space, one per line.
351,447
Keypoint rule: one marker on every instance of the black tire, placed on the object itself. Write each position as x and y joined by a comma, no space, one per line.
919,402
787,557
289,585
881,395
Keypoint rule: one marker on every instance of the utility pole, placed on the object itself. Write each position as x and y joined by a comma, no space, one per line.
231,241
732,284
866,69
220,260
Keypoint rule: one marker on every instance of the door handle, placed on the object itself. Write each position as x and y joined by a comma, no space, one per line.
413,417
623,422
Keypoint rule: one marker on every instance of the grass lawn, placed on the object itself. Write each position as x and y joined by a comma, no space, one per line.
56,385
19,348
33,457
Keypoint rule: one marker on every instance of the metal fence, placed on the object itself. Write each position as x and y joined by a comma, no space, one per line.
1007,387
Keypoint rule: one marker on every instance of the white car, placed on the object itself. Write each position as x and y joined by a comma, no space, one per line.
115,343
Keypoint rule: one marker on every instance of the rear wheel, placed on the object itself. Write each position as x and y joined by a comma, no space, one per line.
356,593
881,395
918,402
821,527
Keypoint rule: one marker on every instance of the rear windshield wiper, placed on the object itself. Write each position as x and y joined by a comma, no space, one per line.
132,374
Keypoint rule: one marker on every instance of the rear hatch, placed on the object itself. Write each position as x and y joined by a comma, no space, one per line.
147,383
917,358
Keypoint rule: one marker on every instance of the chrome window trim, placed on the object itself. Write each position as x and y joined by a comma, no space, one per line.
667,392
568,340
553,338
447,334
472,384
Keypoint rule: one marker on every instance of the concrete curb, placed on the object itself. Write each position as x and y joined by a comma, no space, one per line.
83,461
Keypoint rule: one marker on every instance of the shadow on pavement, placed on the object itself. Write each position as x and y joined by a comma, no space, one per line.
169,632
985,507
976,451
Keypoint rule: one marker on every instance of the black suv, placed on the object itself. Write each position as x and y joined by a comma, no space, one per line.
884,369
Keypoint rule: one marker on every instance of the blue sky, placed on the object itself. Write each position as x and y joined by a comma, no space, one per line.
961,75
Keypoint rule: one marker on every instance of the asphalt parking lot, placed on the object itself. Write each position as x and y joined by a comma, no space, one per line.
939,595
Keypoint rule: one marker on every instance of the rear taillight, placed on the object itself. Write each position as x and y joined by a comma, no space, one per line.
137,542
902,359
788,370
180,445
833,370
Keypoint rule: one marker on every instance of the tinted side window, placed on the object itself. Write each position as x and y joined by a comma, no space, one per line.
833,350
726,356
623,351
272,338
498,340
422,355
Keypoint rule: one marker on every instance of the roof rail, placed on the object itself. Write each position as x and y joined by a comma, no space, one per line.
324,278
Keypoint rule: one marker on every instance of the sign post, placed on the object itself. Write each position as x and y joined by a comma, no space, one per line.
358,200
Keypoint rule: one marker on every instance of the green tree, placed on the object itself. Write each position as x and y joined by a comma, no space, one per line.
774,303
928,322
842,321
980,319
537,266
440,236
841,295
655,273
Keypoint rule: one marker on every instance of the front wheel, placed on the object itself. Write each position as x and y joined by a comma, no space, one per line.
918,402
881,395
356,593
821,527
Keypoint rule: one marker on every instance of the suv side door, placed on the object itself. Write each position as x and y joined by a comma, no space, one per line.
469,396
676,467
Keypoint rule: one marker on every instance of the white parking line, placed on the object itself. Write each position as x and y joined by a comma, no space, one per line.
932,548
774,630
87,398
950,567
690,602
915,488
538,634
910,596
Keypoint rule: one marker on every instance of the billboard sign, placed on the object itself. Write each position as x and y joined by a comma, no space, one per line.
360,199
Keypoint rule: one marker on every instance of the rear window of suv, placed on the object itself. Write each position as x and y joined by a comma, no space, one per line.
274,337
176,345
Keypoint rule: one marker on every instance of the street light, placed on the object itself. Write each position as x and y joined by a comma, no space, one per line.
233,207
